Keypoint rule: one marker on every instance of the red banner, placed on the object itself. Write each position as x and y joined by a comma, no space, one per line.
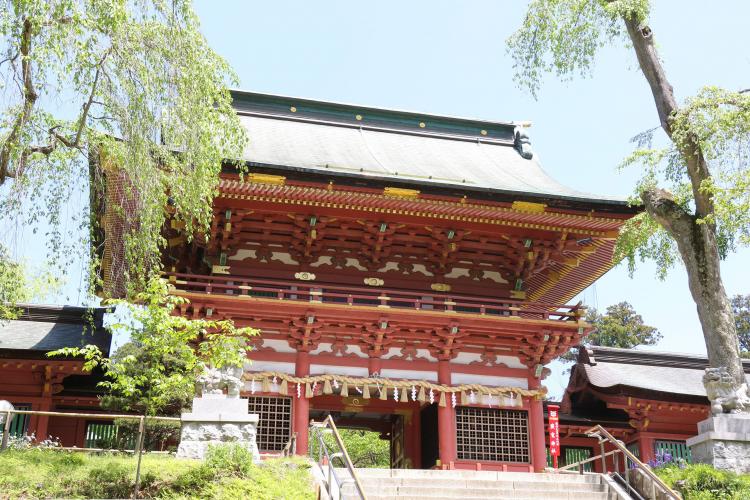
553,418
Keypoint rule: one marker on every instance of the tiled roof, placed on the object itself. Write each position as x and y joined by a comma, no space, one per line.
40,329
338,140
681,374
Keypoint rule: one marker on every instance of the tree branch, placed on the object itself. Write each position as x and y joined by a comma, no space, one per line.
666,106
57,138
29,99
671,216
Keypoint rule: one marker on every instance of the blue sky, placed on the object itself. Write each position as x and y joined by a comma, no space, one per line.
448,57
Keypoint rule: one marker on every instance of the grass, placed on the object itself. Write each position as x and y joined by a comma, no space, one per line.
227,473
703,482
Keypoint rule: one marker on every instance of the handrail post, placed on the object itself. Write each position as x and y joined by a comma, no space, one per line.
603,434
604,458
6,430
138,451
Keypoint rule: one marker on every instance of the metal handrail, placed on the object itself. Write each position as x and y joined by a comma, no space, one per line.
583,462
603,435
626,482
355,295
317,428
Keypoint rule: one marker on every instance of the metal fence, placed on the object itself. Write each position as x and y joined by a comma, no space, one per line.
678,449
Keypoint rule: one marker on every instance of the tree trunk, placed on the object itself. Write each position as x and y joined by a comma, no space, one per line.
699,251
696,241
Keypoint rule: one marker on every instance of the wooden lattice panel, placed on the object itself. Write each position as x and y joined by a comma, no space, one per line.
275,424
492,435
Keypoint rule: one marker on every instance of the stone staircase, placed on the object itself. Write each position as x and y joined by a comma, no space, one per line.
381,484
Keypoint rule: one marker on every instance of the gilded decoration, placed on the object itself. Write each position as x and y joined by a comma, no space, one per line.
527,206
401,192
304,276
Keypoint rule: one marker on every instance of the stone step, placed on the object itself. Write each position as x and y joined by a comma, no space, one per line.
423,492
462,496
471,475
481,483
404,484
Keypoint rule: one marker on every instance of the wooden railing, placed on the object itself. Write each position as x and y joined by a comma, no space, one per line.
630,463
373,297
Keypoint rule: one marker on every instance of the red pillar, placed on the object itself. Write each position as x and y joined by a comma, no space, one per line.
536,430
374,366
645,447
42,424
301,405
446,421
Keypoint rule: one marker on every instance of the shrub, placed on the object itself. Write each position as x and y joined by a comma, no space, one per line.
113,480
703,482
158,435
229,460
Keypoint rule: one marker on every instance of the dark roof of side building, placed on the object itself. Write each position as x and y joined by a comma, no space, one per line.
43,328
634,372
304,137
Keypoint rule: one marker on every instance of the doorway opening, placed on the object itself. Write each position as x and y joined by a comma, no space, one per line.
388,437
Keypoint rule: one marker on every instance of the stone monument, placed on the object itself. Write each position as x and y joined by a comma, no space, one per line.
723,439
217,417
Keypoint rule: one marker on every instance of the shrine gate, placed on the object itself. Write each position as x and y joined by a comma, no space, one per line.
409,274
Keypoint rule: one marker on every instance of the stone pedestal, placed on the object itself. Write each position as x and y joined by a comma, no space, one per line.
215,420
723,441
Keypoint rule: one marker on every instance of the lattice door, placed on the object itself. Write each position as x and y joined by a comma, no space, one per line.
491,434
275,424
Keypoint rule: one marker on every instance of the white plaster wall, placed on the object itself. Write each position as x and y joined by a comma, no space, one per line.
270,366
278,345
325,348
352,371
421,353
409,374
465,358
489,380
322,347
